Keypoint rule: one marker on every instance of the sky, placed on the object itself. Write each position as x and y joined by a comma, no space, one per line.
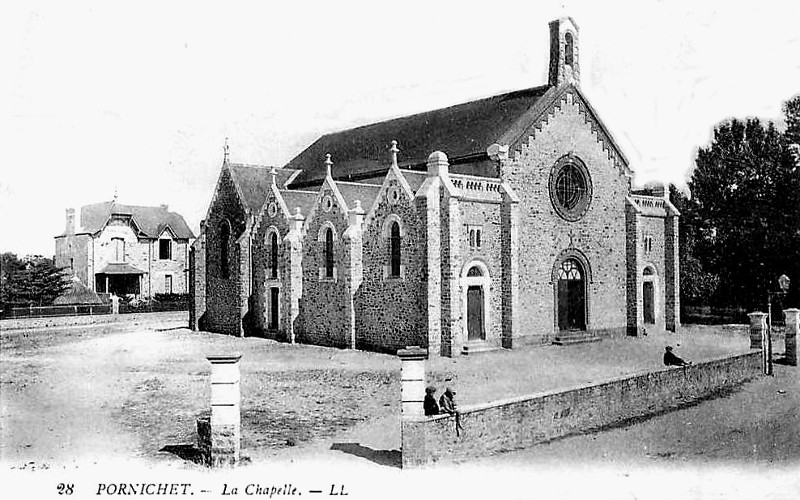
138,98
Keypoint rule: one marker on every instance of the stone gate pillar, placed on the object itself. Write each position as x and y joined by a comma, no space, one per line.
412,381
225,410
792,330
758,326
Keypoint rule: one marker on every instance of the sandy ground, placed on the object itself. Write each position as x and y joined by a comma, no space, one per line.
78,396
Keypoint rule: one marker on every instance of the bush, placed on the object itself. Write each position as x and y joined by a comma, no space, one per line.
182,298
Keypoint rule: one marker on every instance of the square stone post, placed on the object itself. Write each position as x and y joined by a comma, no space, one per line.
758,325
225,410
792,330
412,381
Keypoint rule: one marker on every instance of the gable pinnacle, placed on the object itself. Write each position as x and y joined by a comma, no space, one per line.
226,152
394,151
273,172
328,164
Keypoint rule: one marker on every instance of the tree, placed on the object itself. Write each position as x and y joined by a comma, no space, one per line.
791,112
34,280
698,285
745,208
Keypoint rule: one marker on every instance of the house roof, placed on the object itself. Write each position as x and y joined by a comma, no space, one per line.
150,220
460,131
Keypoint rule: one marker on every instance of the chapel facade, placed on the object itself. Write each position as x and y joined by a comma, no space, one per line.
496,223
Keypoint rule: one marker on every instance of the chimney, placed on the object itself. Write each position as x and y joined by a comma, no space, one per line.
70,221
564,66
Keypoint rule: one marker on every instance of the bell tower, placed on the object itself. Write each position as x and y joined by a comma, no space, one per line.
564,65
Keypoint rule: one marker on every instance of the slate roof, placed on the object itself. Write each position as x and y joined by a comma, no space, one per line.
303,199
460,130
150,220
120,268
254,182
352,191
414,178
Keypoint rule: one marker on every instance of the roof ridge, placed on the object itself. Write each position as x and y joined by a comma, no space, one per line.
348,183
436,110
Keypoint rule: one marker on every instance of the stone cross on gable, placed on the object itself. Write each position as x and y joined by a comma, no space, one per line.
328,164
274,173
394,151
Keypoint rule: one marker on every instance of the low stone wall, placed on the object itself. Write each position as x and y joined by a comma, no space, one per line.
524,421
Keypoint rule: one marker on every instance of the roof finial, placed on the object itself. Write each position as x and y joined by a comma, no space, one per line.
273,172
226,152
115,195
328,163
394,151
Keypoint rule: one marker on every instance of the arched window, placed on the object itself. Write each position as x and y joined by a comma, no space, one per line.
569,47
224,244
329,253
474,272
273,263
394,255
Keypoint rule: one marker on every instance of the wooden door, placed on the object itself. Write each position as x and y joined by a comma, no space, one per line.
648,299
475,312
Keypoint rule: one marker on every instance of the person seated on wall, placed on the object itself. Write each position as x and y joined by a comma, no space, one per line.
430,406
670,359
447,402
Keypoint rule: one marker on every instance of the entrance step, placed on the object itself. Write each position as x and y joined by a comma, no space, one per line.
476,347
576,337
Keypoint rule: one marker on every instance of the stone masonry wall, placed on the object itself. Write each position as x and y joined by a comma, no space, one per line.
543,235
527,420
653,227
487,217
197,283
633,257
324,315
223,308
672,275
75,247
262,273
390,311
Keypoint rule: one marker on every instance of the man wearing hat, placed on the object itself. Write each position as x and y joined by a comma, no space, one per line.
430,406
671,359
447,403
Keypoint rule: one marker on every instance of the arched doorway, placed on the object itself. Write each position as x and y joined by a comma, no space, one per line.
649,295
475,283
571,296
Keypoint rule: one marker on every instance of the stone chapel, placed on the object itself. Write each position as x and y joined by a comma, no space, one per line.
496,223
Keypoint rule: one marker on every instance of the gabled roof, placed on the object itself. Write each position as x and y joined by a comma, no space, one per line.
253,182
460,131
365,193
303,199
151,221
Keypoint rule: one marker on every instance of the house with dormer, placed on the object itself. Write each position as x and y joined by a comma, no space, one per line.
496,223
127,250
